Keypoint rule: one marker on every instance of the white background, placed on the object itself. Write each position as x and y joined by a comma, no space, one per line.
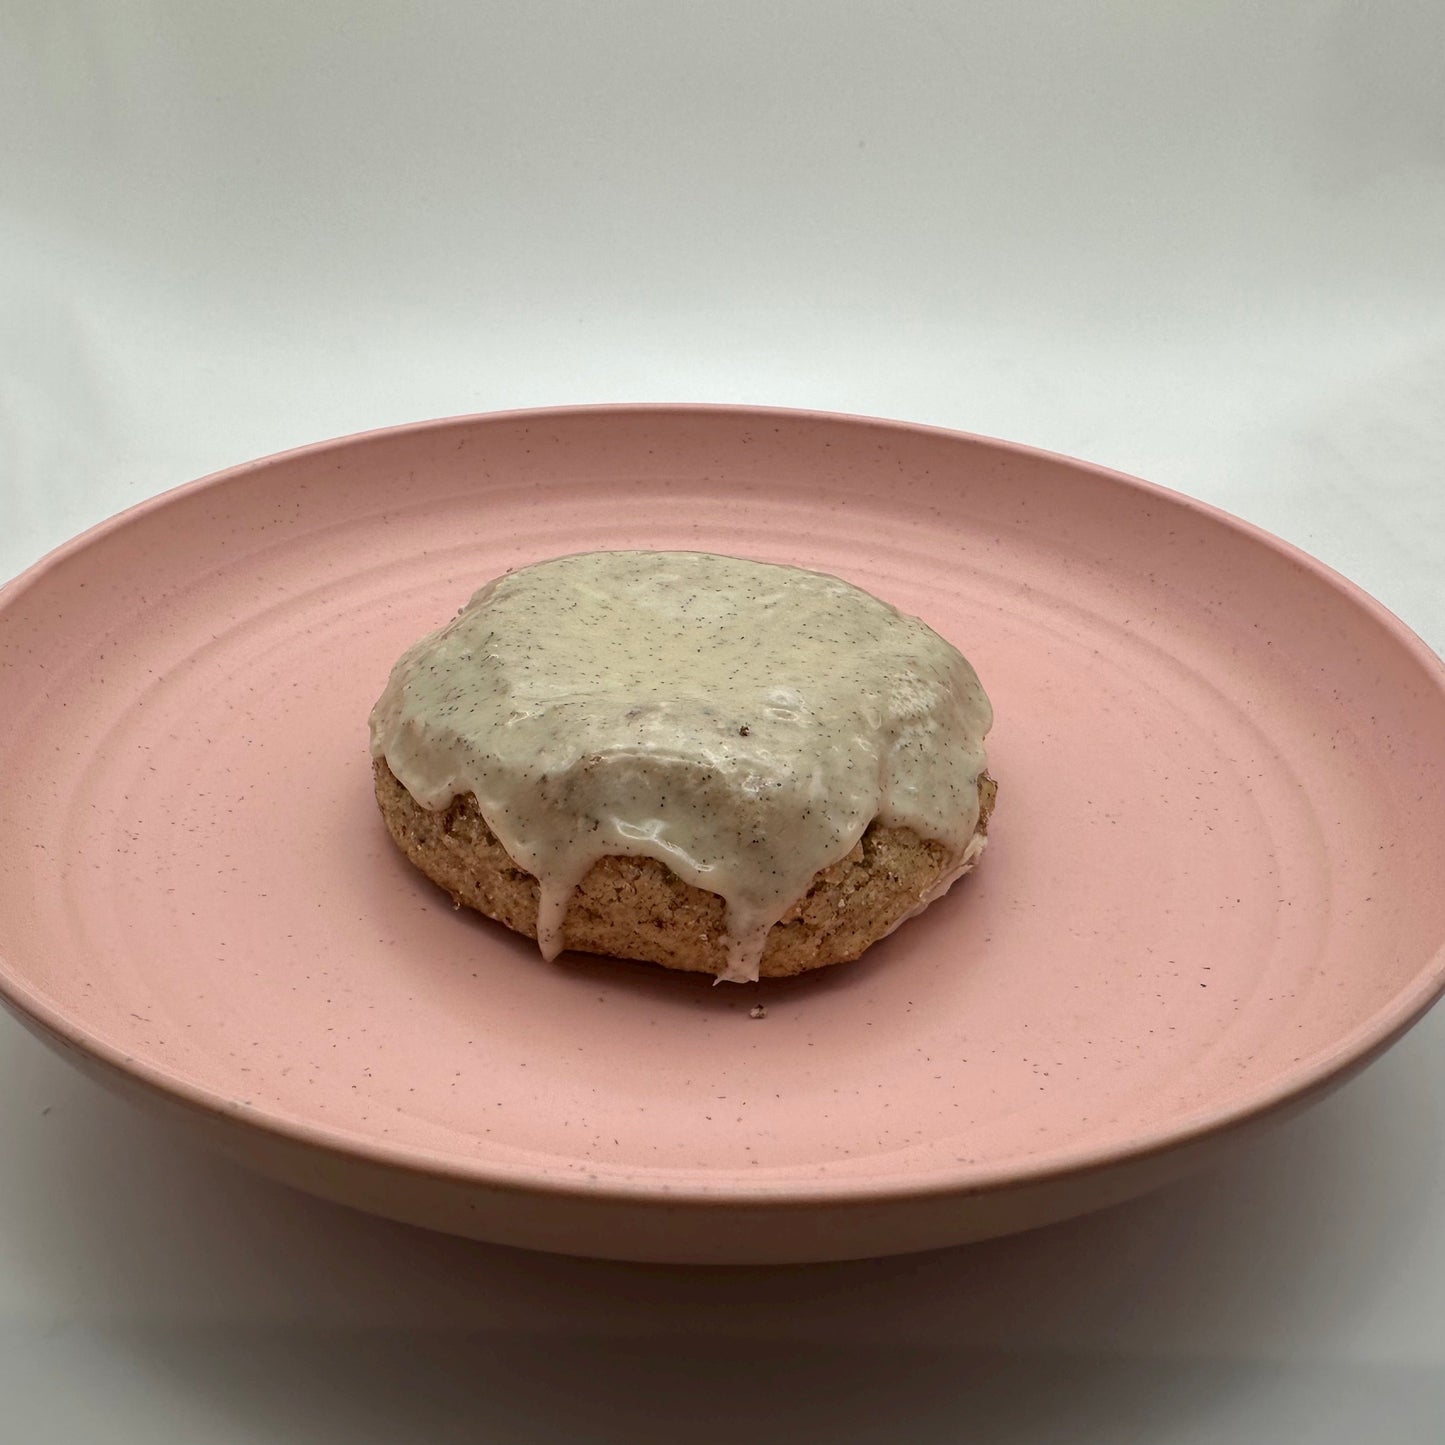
1201,242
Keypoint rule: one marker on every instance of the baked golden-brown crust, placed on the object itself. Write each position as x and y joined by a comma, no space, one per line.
638,908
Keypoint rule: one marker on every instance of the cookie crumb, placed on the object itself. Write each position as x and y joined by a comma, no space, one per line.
757,1012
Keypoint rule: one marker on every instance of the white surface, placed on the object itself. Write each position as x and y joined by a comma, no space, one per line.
1201,243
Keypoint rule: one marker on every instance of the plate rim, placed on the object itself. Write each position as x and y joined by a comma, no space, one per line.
1364,1043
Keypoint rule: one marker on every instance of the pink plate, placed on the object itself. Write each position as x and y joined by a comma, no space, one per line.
1213,889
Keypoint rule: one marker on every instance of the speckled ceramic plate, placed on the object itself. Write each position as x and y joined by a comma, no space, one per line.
1213,888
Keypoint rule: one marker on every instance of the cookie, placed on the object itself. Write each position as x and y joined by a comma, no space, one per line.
718,764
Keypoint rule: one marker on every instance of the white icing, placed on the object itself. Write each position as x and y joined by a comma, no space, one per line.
741,722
